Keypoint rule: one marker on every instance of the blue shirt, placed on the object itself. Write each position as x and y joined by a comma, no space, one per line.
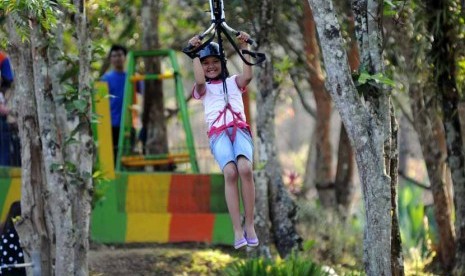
7,73
116,82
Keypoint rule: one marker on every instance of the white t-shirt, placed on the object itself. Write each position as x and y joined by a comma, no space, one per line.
214,102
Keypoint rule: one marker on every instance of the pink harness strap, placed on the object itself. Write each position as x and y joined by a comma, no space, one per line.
236,123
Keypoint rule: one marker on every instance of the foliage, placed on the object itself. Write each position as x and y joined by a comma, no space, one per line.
334,241
204,262
293,265
374,80
282,68
418,230
45,11
101,185
185,261
416,263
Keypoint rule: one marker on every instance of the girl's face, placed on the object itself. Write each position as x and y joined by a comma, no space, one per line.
211,67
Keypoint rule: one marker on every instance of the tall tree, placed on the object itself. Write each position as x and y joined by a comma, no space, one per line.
81,192
443,20
324,161
57,173
408,55
282,210
35,226
367,118
344,184
338,192
430,133
153,119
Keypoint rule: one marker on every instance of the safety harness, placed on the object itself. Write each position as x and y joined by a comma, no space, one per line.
237,122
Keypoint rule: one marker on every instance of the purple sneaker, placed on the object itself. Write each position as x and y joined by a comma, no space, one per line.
240,243
251,242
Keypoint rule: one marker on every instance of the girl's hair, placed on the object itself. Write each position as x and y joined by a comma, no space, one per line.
15,211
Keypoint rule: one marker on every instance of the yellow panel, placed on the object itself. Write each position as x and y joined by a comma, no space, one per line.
14,194
105,140
147,193
146,227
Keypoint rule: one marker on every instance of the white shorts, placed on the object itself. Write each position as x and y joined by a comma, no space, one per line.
224,150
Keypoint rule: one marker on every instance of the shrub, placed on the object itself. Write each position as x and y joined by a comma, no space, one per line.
294,265
334,241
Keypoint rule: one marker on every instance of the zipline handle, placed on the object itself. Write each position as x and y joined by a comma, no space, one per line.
250,41
191,51
218,26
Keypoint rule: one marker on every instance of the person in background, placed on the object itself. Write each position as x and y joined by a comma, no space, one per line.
10,248
5,132
116,79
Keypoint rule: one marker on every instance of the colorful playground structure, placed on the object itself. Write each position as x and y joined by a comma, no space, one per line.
140,206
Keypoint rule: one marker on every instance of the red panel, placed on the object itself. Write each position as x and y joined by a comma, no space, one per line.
191,227
189,194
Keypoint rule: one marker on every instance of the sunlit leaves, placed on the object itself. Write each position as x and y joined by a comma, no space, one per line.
375,79
45,12
461,74
282,68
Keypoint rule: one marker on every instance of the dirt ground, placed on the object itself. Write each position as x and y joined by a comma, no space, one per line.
160,259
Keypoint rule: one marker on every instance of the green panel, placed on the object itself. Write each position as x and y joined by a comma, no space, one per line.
184,114
124,144
108,223
121,184
223,230
4,188
217,200
5,172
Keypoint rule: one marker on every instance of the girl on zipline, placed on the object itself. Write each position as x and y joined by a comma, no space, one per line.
229,134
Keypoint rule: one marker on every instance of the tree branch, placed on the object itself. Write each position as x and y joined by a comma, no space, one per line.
414,181
306,105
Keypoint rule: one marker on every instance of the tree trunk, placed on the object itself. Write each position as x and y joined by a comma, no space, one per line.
443,53
81,194
57,177
456,163
34,229
435,157
344,183
282,209
310,166
153,119
324,161
262,215
57,187
366,124
397,258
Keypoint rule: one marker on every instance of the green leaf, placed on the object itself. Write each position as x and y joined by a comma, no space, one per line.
378,78
55,167
72,72
71,141
363,78
308,245
70,167
80,105
86,175
97,174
